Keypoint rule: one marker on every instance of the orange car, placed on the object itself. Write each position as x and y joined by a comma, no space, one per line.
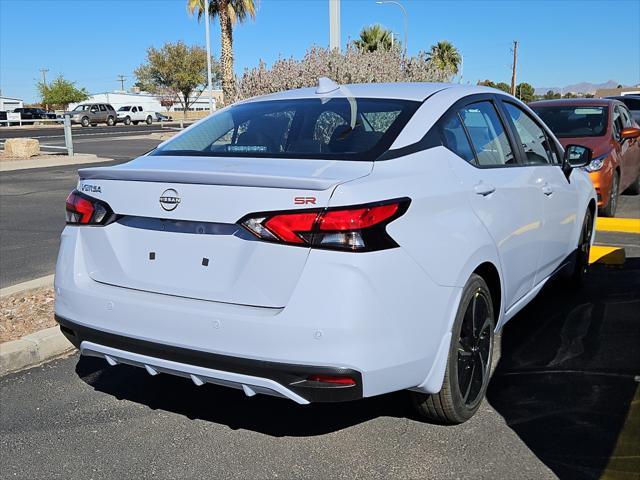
606,127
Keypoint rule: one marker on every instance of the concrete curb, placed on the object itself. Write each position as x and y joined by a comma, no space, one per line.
78,159
45,281
32,350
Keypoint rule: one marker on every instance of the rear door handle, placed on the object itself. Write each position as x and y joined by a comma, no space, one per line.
547,190
484,189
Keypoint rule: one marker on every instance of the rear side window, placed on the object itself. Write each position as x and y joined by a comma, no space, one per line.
338,128
532,137
103,108
455,138
488,134
139,108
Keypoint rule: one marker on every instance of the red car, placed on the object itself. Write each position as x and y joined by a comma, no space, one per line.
606,127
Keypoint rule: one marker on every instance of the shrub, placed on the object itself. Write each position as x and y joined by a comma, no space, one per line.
351,66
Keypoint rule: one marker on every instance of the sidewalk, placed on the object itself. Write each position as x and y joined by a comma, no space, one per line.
49,160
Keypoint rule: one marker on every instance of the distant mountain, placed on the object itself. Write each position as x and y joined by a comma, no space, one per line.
582,87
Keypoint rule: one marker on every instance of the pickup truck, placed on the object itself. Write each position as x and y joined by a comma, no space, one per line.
135,114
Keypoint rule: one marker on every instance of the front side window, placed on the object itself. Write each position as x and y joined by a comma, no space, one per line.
337,128
487,134
626,117
532,137
455,138
574,121
617,123
135,109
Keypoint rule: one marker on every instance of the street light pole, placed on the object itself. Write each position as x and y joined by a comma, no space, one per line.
206,30
406,21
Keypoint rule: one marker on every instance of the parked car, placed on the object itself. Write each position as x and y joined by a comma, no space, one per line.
3,118
129,114
161,117
93,113
328,244
607,128
28,113
633,104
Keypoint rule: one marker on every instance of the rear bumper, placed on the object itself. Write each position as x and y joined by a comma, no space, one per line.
272,378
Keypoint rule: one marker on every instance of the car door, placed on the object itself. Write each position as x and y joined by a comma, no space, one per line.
505,196
629,150
94,113
559,196
134,114
141,114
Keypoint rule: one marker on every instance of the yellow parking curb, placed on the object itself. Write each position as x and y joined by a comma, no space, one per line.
607,255
622,225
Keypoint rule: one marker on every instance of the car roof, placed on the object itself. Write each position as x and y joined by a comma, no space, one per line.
575,102
416,91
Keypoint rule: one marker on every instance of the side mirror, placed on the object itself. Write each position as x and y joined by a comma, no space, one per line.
631,132
576,156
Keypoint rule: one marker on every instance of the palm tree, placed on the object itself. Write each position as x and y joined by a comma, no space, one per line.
445,56
373,38
229,12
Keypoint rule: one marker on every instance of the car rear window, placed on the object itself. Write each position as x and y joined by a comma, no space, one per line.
574,121
338,128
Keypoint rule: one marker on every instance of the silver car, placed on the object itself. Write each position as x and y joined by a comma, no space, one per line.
93,113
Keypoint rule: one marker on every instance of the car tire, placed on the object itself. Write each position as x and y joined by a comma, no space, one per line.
84,122
127,120
612,205
149,120
634,188
135,122
470,360
581,263
111,121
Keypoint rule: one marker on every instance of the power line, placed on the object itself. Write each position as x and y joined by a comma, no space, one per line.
121,79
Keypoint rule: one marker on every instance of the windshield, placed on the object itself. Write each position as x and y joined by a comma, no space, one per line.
575,121
336,128
124,109
81,107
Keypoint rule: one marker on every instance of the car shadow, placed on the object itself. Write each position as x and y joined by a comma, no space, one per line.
567,373
264,414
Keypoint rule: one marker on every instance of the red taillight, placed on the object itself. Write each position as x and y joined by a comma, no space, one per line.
84,210
358,228
336,380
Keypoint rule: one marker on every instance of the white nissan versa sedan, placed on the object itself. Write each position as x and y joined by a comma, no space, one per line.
327,244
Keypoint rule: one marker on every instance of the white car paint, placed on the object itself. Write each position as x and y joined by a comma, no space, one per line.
386,314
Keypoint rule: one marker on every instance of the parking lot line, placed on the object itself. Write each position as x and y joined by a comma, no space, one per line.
622,225
607,255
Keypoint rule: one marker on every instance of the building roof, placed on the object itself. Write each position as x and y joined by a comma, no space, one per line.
10,98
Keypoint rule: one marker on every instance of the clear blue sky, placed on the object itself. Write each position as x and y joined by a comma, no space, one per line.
561,42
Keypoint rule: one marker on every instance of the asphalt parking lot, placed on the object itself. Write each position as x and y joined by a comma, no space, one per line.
559,406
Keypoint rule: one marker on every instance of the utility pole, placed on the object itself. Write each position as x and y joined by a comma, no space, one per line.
513,68
44,81
121,79
44,75
206,34
334,24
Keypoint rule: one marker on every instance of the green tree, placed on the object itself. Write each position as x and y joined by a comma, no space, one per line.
374,37
505,87
61,92
176,68
570,95
487,83
229,12
525,92
445,56
551,95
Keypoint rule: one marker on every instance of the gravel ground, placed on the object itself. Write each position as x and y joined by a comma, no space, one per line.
25,313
